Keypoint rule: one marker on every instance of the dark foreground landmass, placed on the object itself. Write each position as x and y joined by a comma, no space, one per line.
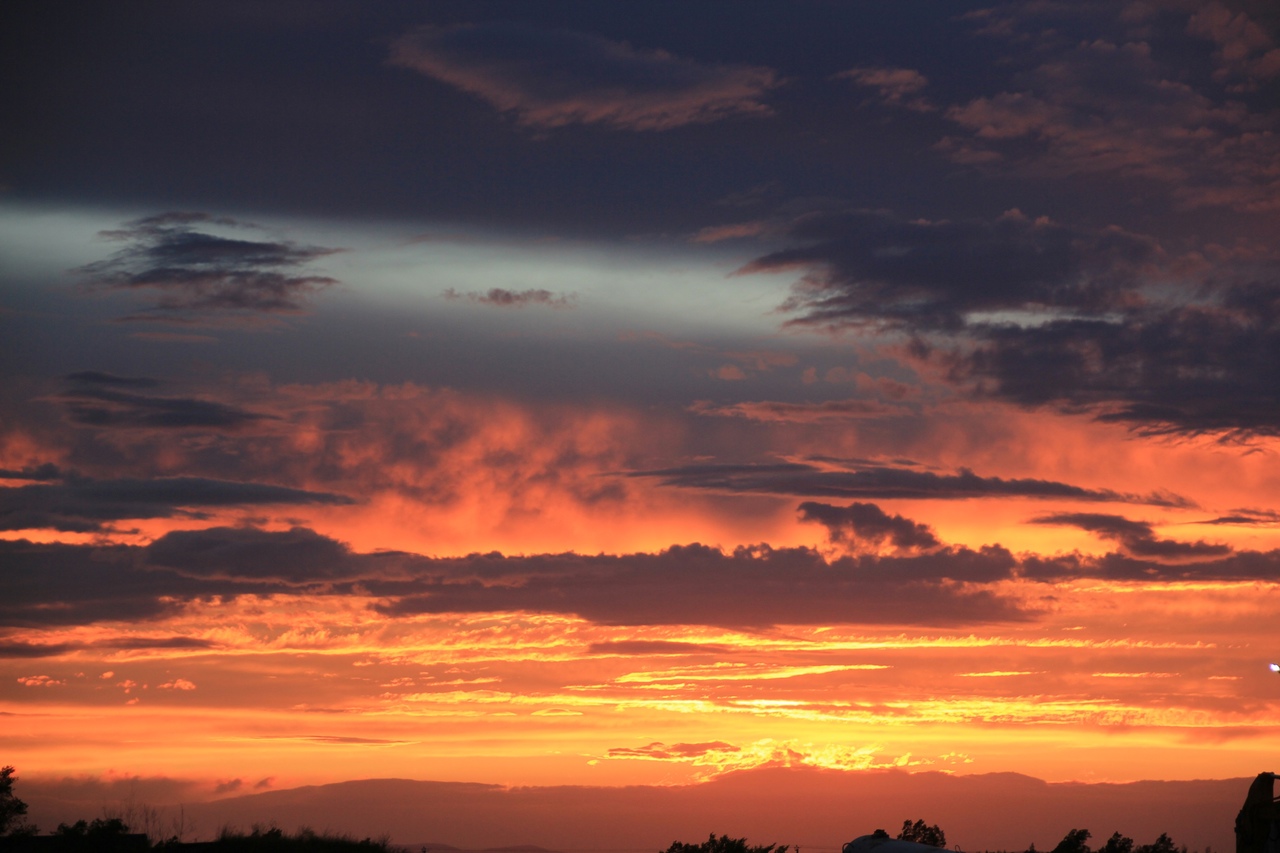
816,810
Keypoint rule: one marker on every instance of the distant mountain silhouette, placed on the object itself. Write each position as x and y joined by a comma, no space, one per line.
818,810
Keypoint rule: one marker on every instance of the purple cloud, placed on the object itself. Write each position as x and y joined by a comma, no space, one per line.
552,77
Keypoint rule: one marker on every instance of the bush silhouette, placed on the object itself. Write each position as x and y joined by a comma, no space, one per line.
1075,841
12,809
724,844
921,833
1117,843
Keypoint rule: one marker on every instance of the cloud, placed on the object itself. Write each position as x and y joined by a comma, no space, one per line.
859,525
1235,567
1194,369
1136,537
294,556
180,684
82,504
897,87
865,268
685,584
698,585
1112,107
20,649
57,584
45,471
479,467
551,77
656,647
95,399
675,752
1244,48
1247,517
190,271
503,298
97,377
747,588
771,411
735,231
883,482
1043,314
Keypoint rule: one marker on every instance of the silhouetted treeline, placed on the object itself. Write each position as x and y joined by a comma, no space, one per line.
1076,841
112,834
724,844
922,833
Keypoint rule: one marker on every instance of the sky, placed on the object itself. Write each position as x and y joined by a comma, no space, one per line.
593,394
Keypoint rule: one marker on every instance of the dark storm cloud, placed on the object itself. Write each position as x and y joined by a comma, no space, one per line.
19,649
503,298
860,523
795,478
555,77
756,587
81,504
1246,517
1137,538
1194,369
192,271
1238,567
1119,103
869,268
296,555
97,399
46,471
54,584
698,585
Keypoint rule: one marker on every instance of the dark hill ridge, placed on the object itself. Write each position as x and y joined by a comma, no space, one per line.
815,809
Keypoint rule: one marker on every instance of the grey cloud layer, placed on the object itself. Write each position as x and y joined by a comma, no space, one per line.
871,151
1195,369
502,298
81,504
1136,537
874,268
694,584
885,483
755,587
189,270
97,399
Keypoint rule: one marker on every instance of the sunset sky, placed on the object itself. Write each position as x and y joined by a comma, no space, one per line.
602,394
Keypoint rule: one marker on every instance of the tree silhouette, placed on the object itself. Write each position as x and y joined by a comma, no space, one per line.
921,833
1075,841
1163,844
725,844
100,830
1117,843
12,809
